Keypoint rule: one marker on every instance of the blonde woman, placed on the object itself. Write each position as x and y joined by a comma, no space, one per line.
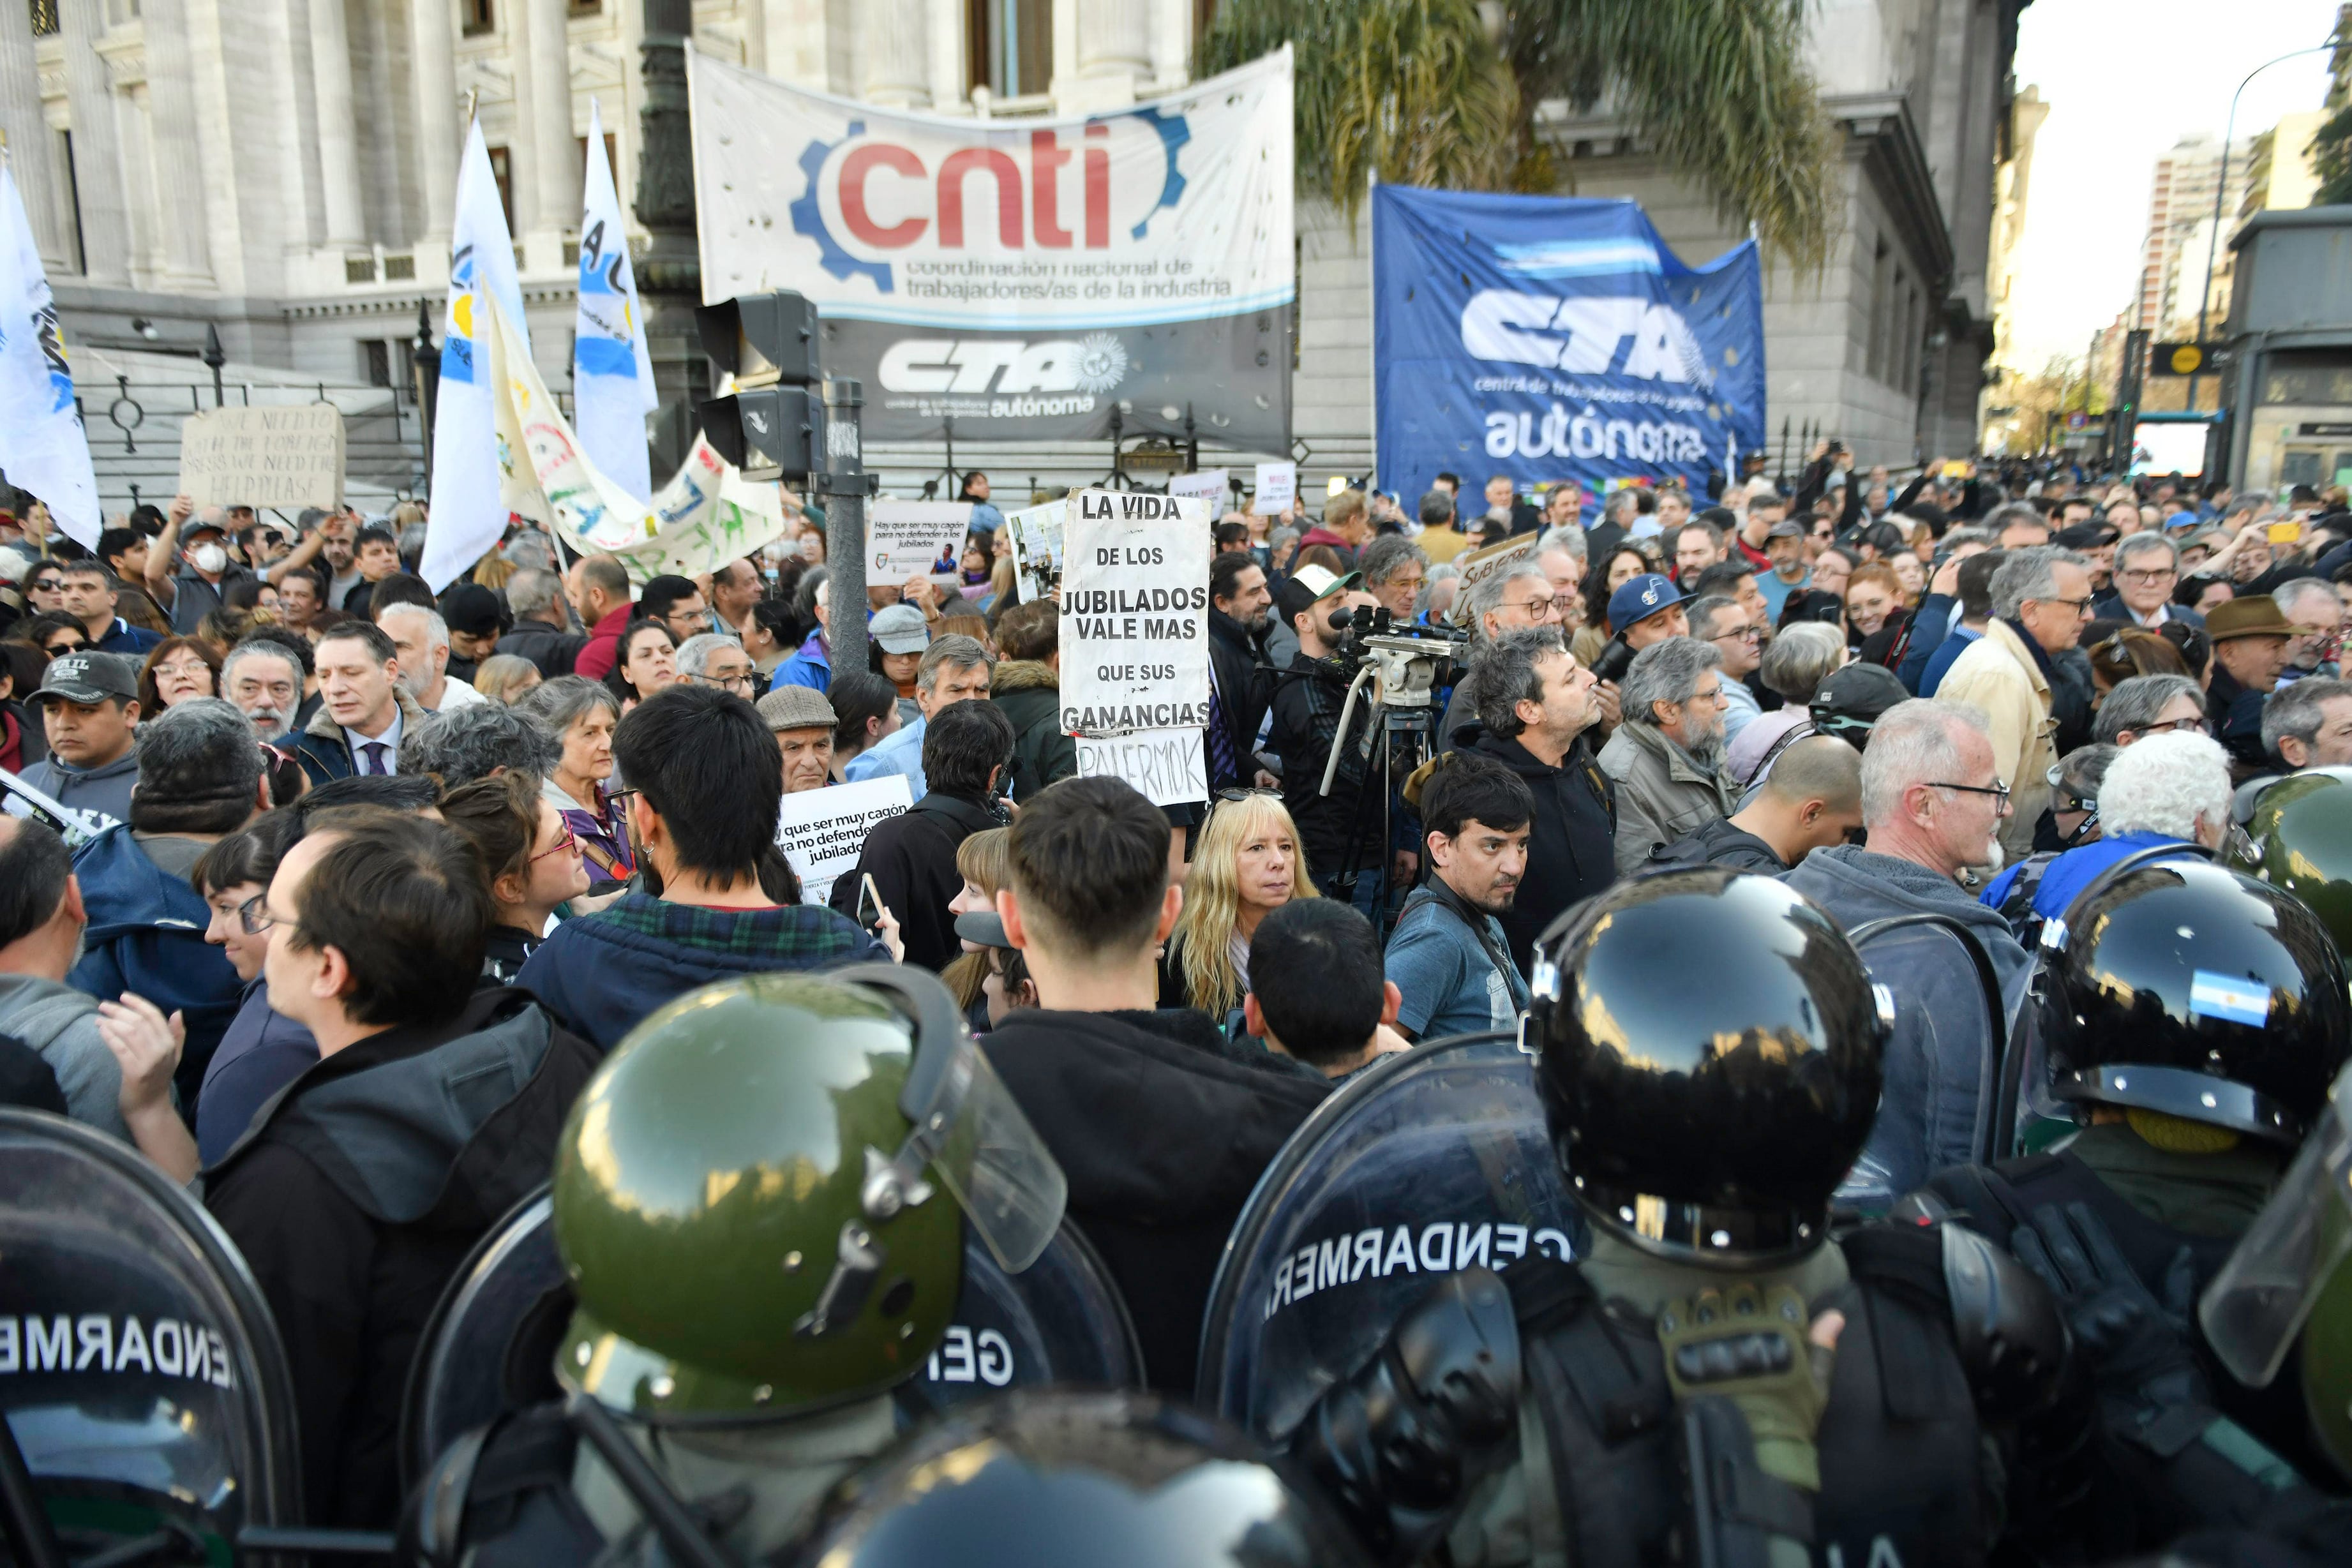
1247,865
983,861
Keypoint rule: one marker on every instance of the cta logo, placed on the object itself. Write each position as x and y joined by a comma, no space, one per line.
1094,363
1585,335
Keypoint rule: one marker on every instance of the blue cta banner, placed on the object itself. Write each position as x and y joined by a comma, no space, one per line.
1554,337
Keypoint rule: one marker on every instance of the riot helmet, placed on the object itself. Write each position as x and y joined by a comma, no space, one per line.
2298,836
2196,992
1709,1051
747,1194
2290,1277
1054,1478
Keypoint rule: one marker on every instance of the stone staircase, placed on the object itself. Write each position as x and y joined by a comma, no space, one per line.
134,404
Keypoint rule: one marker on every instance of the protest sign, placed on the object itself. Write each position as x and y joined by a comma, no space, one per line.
822,831
1277,486
1037,549
1164,765
1209,485
914,539
1134,613
287,458
1482,564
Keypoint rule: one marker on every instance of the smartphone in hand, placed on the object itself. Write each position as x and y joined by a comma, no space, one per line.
869,903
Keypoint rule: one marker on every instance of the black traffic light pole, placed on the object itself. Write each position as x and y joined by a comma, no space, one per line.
844,485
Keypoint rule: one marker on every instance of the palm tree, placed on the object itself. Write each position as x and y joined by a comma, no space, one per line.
1429,92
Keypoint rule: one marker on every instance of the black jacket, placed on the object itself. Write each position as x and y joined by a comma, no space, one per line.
1245,688
1570,853
1030,695
357,1192
1720,843
2235,712
1306,703
552,648
1163,1138
912,858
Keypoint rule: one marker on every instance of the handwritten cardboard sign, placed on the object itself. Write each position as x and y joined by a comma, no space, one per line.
284,457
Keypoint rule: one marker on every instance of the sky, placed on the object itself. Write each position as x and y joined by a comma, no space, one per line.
2125,79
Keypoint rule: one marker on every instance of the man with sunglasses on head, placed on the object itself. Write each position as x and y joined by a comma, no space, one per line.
1512,600
2041,602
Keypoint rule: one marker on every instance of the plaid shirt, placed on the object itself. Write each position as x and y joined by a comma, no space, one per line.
798,934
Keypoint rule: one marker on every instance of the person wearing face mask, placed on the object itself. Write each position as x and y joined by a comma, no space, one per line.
188,566
1308,697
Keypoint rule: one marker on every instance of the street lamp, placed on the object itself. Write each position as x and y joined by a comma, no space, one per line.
2220,186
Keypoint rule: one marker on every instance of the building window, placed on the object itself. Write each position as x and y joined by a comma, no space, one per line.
1011,46
477,18
358,268
45,18
399,268
375,355
587,7
502,171
1875,359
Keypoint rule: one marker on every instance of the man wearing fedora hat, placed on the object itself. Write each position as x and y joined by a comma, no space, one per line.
2250,643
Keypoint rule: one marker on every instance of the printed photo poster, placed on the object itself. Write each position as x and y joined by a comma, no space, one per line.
822,831
1135,613
1036,533
911,538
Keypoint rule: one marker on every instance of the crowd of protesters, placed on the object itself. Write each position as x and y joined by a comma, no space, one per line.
329,843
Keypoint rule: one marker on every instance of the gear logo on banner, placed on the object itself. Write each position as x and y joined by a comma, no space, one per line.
1102,363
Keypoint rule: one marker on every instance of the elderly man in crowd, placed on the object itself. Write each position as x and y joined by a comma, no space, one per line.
1393,569
954,669
2309,724
2318,614
1667,759
718,660
2040,601
803,722
542,632
1933,801
2147,570
420,640
1733,631
263,679
2170,789
1516,597
2250,637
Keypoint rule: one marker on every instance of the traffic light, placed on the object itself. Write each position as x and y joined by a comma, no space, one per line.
773,424
768,433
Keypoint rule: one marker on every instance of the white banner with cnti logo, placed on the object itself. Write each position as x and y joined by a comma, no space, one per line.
1020,277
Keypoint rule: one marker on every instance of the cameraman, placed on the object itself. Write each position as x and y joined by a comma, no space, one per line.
1308,697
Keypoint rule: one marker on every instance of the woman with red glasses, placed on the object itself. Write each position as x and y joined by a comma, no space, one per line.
531,858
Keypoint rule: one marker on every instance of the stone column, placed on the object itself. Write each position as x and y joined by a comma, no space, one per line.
29,141
554,172
98,156
1171,44
178,161
433,56
895,69
1114,40
950,79
339,141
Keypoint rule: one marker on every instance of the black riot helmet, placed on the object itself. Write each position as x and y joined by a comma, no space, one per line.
2188,989
1058,1478
1708,1047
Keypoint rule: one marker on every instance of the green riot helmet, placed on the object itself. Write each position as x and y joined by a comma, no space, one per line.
2291,1275
2299,838
759,1195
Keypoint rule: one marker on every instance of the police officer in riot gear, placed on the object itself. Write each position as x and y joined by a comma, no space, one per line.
2194,1017
2297,835
760,1200
1717,1373
1054,1478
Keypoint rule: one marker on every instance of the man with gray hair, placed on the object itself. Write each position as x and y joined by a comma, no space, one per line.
717,659
421,639
461,746
2041,601
955,669
1932,801
2312,604
1393,569
1536,705
1517,596
1667,757
542,630
263,679
2309,724
2146,570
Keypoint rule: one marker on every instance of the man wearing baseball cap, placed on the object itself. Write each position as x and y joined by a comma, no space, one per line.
802,723
90,709
2250,643
900,634
1787,569
1315,603
1647,609
189,566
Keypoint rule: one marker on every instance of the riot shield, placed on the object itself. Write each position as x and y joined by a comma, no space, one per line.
1942,1068
140,1374
1434,1160
490,1343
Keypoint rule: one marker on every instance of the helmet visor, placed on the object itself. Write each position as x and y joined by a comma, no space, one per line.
2257,1303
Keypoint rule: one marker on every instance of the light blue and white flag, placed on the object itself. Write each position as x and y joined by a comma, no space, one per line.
612,374
42,444
469,519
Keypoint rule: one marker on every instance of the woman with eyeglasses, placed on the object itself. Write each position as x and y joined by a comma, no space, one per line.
2143,705
263,1049
532,856
583,714
176,669
1248,865
44,588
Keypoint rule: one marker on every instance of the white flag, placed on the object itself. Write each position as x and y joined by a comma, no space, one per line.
42,444
469,519
612,374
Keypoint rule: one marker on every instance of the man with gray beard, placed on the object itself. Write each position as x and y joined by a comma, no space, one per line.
263,680
1667,757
